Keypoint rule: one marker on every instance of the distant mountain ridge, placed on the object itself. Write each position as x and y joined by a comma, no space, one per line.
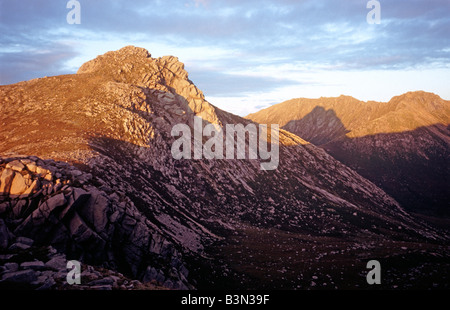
401,145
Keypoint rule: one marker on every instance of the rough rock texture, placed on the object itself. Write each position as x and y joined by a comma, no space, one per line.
20,269
401,145
61,207
105,189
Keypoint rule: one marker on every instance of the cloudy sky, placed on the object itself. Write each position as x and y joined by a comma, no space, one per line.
243,54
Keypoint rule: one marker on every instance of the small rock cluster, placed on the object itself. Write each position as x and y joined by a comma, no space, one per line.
24,266
50,203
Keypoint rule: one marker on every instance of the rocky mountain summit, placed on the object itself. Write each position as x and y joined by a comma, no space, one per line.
86,168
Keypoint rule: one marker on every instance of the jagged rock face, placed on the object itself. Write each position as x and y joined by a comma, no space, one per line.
163,76
137,206
401,145
58,204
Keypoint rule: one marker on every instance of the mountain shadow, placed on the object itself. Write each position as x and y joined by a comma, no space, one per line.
319,127
411,166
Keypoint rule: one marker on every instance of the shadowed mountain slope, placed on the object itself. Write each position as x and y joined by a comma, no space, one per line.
401,145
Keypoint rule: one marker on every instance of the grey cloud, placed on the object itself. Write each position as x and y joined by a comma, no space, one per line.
34,63
232,85
412,33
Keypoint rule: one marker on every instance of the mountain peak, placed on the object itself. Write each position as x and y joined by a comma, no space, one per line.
415,97
133,65
126,55
134,61
163,76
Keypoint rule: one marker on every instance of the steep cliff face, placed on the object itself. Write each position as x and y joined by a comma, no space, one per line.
87,167
401,145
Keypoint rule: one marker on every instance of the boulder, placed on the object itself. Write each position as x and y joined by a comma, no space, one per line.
78,193
26,161
32,188
47,207
94,211
113,217
78,228
19,246
19,208
6,180
4,235
104,281
47,283
25,240
156,244
150,274
32,167
18,185
184,271
160,277
140,235
11,267
58,262
169,284
128,223
42,171
22,276
15,165
34,265
4,207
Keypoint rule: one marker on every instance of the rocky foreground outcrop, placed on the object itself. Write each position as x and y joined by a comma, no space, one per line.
26,266
49,202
